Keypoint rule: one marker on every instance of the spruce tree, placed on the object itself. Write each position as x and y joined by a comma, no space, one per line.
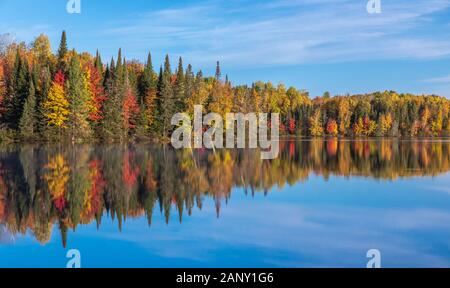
179,89
19,89
41,97
130,109
218,71
62,52
113,123
147,82
147,98
98,63
166,95
77,94
106,77
189,85
27,123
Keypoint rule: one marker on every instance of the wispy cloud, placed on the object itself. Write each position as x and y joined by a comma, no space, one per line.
444,79
23,33
290,32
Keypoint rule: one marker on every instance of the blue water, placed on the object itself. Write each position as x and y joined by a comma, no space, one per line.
315,222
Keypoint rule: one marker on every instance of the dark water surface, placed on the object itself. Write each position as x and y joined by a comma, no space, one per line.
323,203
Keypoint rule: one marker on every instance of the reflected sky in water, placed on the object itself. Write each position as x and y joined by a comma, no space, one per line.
321,204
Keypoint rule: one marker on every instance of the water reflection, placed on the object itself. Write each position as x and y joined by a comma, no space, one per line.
43,186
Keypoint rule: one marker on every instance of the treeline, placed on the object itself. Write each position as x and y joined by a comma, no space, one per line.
75,96
69,186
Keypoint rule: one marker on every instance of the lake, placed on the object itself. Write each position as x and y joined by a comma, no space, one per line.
322,203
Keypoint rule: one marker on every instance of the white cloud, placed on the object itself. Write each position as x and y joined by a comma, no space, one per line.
444,79
290,32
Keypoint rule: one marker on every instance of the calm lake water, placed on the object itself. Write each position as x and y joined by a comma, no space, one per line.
323,203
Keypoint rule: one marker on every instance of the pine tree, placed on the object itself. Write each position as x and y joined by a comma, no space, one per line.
27,124
62,52
3,88
112,124
189,85
78,96
130,109
147,99
179,89
147,80
120,71
19,89
218,71
41,97
166,97
98,63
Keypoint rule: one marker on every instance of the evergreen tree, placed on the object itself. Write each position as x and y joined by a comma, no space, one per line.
78,96
19,89
189,85
147,101
27,124
120,71
147,80
62,52
166,97
41,97
179,89
98,63
130,109
112,125
107,76
218,71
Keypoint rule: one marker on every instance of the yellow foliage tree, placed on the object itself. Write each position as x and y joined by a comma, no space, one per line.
436,125
315,123
56,106
345,115
385,124
364,127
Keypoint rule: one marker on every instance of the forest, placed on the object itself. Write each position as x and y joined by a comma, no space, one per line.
71,96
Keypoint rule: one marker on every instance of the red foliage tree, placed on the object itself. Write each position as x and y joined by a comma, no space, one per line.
332,127
130,110
60,78
292,126
98,94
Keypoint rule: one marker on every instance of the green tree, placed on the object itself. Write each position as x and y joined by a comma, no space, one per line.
166,97
179,89
112,124
19,89
62,52
78,96
27,124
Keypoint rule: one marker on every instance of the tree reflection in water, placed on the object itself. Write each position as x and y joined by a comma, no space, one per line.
42,186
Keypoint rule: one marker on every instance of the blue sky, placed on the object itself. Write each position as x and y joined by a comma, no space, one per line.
318,45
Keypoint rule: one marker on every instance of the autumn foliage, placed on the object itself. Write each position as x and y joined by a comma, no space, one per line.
80,98
332,127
